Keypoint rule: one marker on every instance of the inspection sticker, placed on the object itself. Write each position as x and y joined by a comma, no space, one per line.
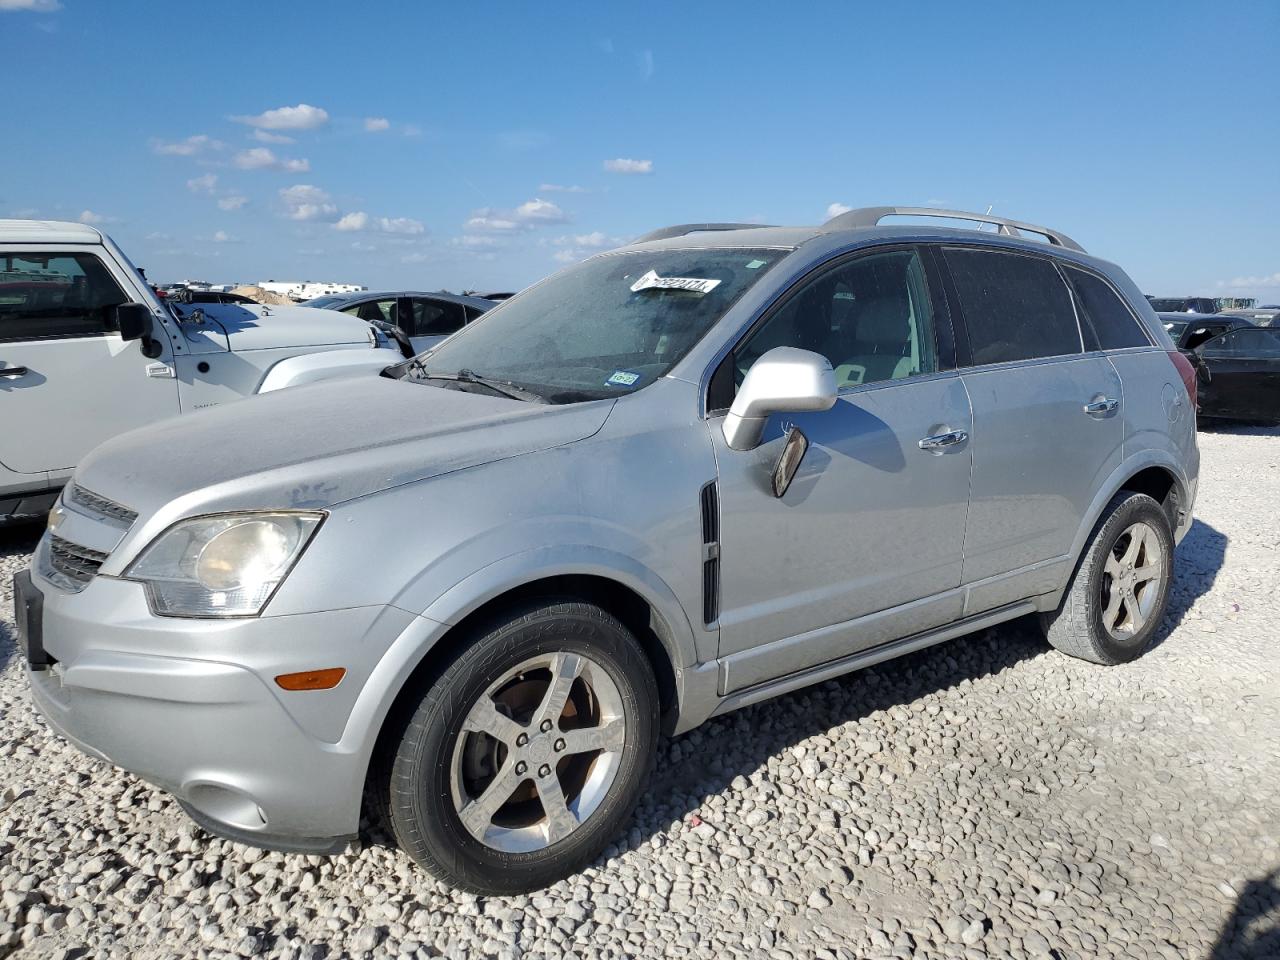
622,378
651,281
755,264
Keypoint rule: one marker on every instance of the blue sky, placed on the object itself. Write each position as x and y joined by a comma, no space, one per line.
484,145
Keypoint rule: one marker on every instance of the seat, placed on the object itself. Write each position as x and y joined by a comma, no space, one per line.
882,342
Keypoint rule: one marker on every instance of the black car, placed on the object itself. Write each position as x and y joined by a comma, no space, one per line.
1189,330
417,320
1183,304
1238,373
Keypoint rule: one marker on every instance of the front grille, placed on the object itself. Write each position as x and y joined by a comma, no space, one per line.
73,564
110,511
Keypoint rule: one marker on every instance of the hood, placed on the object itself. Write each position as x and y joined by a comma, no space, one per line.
240,327
317,445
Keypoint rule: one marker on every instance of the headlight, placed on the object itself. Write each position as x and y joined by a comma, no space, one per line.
222,566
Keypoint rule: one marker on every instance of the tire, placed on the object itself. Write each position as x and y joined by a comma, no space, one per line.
458,752
1086,624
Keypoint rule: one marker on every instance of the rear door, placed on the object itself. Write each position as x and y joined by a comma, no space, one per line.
67,380
1047,429
1240,374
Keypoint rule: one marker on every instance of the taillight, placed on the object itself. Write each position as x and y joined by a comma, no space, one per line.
1188,374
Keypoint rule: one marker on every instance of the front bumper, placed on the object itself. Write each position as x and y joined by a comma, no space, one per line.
191,706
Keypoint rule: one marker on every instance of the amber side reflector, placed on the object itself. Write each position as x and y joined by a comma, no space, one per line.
312,679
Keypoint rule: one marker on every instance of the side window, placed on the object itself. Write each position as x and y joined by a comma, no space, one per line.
1245,343
374,310
50,296
870,316
1015,307
1202,333
436,318
1114,324
473,313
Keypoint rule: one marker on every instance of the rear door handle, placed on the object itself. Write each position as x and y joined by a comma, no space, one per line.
13,373
1105,405
941,440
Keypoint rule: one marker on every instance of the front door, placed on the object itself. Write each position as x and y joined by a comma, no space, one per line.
1240,374
865,544
67,380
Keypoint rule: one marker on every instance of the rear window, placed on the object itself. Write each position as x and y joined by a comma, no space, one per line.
1111,323
1015,307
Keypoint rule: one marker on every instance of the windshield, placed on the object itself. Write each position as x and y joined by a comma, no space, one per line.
608,326
323,302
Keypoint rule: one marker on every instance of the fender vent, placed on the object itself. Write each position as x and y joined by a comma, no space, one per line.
710,503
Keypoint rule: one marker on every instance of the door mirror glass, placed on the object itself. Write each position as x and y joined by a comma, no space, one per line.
132,320
793,451
784,380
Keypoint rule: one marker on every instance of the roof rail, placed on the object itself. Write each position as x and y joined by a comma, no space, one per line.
871,216
682,229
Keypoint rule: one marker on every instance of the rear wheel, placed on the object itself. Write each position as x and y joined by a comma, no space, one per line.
528,753
1118,595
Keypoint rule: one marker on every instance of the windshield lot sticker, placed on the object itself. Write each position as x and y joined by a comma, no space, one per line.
622,378
755,264
651,281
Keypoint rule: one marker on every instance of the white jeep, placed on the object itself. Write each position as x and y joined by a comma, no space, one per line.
87,351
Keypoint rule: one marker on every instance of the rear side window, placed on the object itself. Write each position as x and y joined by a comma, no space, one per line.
50,296
1113,324
436,318
1015,307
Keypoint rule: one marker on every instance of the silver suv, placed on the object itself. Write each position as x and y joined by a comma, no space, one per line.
716,465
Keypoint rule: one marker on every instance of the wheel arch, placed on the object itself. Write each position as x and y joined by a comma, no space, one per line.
1156,475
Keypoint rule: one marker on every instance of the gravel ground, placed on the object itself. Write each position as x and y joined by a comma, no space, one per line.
987,797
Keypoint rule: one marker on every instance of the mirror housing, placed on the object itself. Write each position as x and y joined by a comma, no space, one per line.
784,380
133,320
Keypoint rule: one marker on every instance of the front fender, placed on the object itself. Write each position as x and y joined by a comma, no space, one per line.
328,365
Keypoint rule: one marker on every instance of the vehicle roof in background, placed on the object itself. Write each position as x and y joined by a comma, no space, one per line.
47,231
365,295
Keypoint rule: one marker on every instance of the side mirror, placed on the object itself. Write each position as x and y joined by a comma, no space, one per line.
133,320
784,380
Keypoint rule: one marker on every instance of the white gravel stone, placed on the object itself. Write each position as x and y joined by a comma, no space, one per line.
986,797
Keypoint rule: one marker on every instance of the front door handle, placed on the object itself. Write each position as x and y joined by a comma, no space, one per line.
1105,405
941,440
13,373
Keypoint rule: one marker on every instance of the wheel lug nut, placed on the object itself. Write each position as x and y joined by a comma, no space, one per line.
522,740
545,726
521,767
544,770
559,745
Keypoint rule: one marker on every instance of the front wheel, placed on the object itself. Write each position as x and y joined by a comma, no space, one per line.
1117,597
525,757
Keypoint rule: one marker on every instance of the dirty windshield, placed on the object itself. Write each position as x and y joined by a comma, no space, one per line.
608,326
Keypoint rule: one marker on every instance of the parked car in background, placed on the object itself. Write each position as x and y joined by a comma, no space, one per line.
87,351
1264,316
422,319
188,295
1183,304
675,479
1238,373
1189,330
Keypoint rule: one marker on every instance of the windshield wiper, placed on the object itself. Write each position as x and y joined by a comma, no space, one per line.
469,376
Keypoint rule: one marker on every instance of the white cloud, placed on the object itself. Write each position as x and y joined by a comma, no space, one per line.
232,203
359,220
1253,283
302,117
35,6
190,147
261,158
594,240
405,225
489,221
157,237
411,130
835,209
540,211
204,184
223,237
93,219
478,240
627,165
376,124
560,188
263,137
304,202
566,256
353,221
